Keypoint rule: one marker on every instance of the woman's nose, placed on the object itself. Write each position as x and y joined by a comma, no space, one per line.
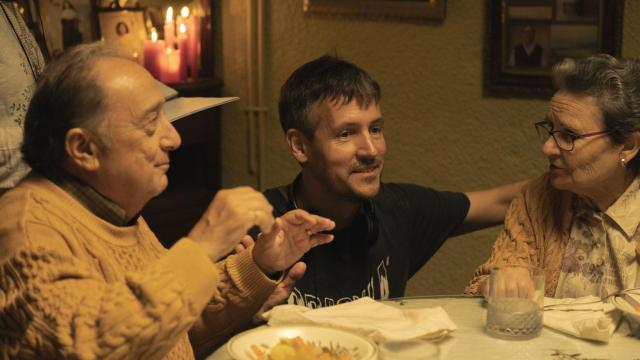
549,147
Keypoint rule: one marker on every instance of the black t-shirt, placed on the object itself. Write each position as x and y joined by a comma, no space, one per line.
411,223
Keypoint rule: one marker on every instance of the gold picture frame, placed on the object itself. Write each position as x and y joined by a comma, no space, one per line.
429,10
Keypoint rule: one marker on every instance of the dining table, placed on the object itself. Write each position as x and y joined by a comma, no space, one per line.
471,341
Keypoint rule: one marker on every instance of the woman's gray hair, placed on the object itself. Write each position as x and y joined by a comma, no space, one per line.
67,96
615,83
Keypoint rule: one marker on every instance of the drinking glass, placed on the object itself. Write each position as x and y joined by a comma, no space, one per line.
515,301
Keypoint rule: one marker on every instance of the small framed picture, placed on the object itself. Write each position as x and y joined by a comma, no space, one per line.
66,23
528,47
525,38
124,28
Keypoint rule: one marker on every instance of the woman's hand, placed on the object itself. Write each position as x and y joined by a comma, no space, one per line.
512,282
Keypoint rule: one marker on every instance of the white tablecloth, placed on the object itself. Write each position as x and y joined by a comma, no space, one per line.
470,341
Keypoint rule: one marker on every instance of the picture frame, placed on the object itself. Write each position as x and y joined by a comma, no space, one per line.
524,38
429,10
66,23
123,28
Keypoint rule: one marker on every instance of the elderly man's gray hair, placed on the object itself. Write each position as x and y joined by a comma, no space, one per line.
67,96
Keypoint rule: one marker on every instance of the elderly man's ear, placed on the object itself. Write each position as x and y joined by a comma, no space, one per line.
298,143
81,149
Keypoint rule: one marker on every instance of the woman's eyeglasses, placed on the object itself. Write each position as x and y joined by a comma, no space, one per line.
564,139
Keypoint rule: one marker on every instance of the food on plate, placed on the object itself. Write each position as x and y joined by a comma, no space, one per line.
297,349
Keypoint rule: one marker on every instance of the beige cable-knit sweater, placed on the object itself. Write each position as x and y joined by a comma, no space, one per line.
75,286
536,231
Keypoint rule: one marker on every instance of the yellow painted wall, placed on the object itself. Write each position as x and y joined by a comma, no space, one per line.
440,130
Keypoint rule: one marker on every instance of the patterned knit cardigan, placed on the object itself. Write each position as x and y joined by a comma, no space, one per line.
536,232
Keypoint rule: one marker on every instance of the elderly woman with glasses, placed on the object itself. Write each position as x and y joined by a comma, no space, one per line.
579,221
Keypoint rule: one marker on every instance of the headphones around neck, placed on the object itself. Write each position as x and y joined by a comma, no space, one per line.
367,215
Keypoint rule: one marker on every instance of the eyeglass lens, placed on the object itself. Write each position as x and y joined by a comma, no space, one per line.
562,139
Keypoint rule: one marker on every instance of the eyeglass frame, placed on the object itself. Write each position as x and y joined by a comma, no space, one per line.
548,127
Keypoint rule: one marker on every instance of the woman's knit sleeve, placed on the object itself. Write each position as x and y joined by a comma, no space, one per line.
514,245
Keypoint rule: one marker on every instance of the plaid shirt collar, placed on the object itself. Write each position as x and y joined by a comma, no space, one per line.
95,202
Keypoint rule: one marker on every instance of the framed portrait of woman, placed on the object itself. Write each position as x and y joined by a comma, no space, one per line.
66,23
124,28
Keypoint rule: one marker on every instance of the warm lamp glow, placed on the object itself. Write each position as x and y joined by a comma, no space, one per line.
169,15
183,28
184,12
154,35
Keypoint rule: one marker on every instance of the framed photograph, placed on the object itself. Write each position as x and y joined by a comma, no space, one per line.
66,23
525,38
124,28
430,10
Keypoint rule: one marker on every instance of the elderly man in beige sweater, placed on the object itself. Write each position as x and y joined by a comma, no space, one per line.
81,274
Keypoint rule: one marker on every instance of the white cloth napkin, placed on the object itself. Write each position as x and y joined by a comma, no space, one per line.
628,301
371,318
586,317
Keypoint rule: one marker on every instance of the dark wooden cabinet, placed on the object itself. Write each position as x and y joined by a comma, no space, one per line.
194,175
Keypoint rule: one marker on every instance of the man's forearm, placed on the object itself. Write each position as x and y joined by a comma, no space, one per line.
488,207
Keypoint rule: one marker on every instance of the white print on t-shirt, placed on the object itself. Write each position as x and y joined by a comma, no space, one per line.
381,280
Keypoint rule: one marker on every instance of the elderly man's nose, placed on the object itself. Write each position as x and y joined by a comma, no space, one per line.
170,139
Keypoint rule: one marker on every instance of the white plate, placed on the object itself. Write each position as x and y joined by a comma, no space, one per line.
360,348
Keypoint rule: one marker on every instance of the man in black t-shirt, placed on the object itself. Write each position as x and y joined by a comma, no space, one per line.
330,113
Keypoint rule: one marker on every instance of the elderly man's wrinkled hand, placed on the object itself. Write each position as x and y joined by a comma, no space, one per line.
231,213
282,291
292,236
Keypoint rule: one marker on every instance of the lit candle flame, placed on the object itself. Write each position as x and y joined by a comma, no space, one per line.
169,15
184,12
183,28
154,35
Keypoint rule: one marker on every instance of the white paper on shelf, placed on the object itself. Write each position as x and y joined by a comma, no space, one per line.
177,107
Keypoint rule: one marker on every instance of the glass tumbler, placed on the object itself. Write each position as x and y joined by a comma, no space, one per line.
515,301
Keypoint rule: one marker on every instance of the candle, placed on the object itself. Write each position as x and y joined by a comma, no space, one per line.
183,46
182,18
193,28
170,66
153,50
169,28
